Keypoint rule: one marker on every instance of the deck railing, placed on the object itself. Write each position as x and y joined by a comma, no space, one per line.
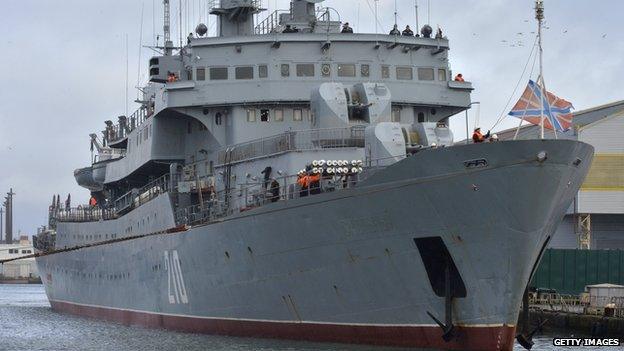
119,131
293,140
271,23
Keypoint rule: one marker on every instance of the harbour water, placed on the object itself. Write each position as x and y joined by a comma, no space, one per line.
28,323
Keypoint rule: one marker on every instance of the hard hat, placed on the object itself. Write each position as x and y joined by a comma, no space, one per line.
494,136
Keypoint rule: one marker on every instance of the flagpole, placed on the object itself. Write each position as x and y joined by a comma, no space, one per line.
539,15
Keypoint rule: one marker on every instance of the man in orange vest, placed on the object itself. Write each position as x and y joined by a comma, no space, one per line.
459,78
314,183
92,201
477,137
302,180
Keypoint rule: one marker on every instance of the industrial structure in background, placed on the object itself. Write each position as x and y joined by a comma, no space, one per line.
596,218
8,212
18,271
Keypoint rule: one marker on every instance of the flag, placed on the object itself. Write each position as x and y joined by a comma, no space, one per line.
557,111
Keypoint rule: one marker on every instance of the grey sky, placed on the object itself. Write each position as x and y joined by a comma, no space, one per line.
64,70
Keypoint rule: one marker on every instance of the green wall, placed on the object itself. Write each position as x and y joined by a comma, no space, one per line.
568,271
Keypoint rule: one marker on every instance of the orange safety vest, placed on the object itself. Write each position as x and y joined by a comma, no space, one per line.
92,201
313,179
459,79
302,181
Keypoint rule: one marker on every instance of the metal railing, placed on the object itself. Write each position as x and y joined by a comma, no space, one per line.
585,304
271,23
257,194
119,131
291,141
84,213
138,197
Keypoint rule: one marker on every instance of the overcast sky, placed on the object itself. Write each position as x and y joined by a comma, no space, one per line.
64,70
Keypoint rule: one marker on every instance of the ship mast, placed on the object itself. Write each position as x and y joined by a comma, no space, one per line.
167,27
539,15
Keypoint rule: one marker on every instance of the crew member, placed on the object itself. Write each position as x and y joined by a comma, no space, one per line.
459,78
494,138
302,181
171,77
346,28
439,34
92,201
267,176
395,30
477,137
408,32
314,183
275,191
189,38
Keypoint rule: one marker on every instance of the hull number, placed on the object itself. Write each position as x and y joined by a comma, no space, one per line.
176,289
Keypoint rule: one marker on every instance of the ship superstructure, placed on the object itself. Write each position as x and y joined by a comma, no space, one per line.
284,179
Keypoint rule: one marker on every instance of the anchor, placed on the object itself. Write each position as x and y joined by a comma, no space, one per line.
447,328
526,340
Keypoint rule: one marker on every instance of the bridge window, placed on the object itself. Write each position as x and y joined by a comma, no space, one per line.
425,74
218,73
244,72
297,115
218,119
263,71
251,115
285,70
264,115
201,74
305,70
365,70
404,73
326,70
279,115
396,115
441,74
346,70
385,72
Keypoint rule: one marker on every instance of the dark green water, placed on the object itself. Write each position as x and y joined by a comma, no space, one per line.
28,323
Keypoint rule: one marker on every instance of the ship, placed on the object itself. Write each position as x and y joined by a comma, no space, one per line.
291,179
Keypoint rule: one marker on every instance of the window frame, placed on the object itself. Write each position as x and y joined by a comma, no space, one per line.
225,69
297,111
285,73
385,72
263,71
281,114
202,76
400,70
243,69
397,111
443,70
367,75
265,112
341,70
426,69
303,73
251,115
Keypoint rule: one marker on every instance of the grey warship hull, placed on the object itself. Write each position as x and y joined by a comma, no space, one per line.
344,266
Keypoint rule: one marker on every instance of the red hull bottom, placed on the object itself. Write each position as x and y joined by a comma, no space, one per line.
427,337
